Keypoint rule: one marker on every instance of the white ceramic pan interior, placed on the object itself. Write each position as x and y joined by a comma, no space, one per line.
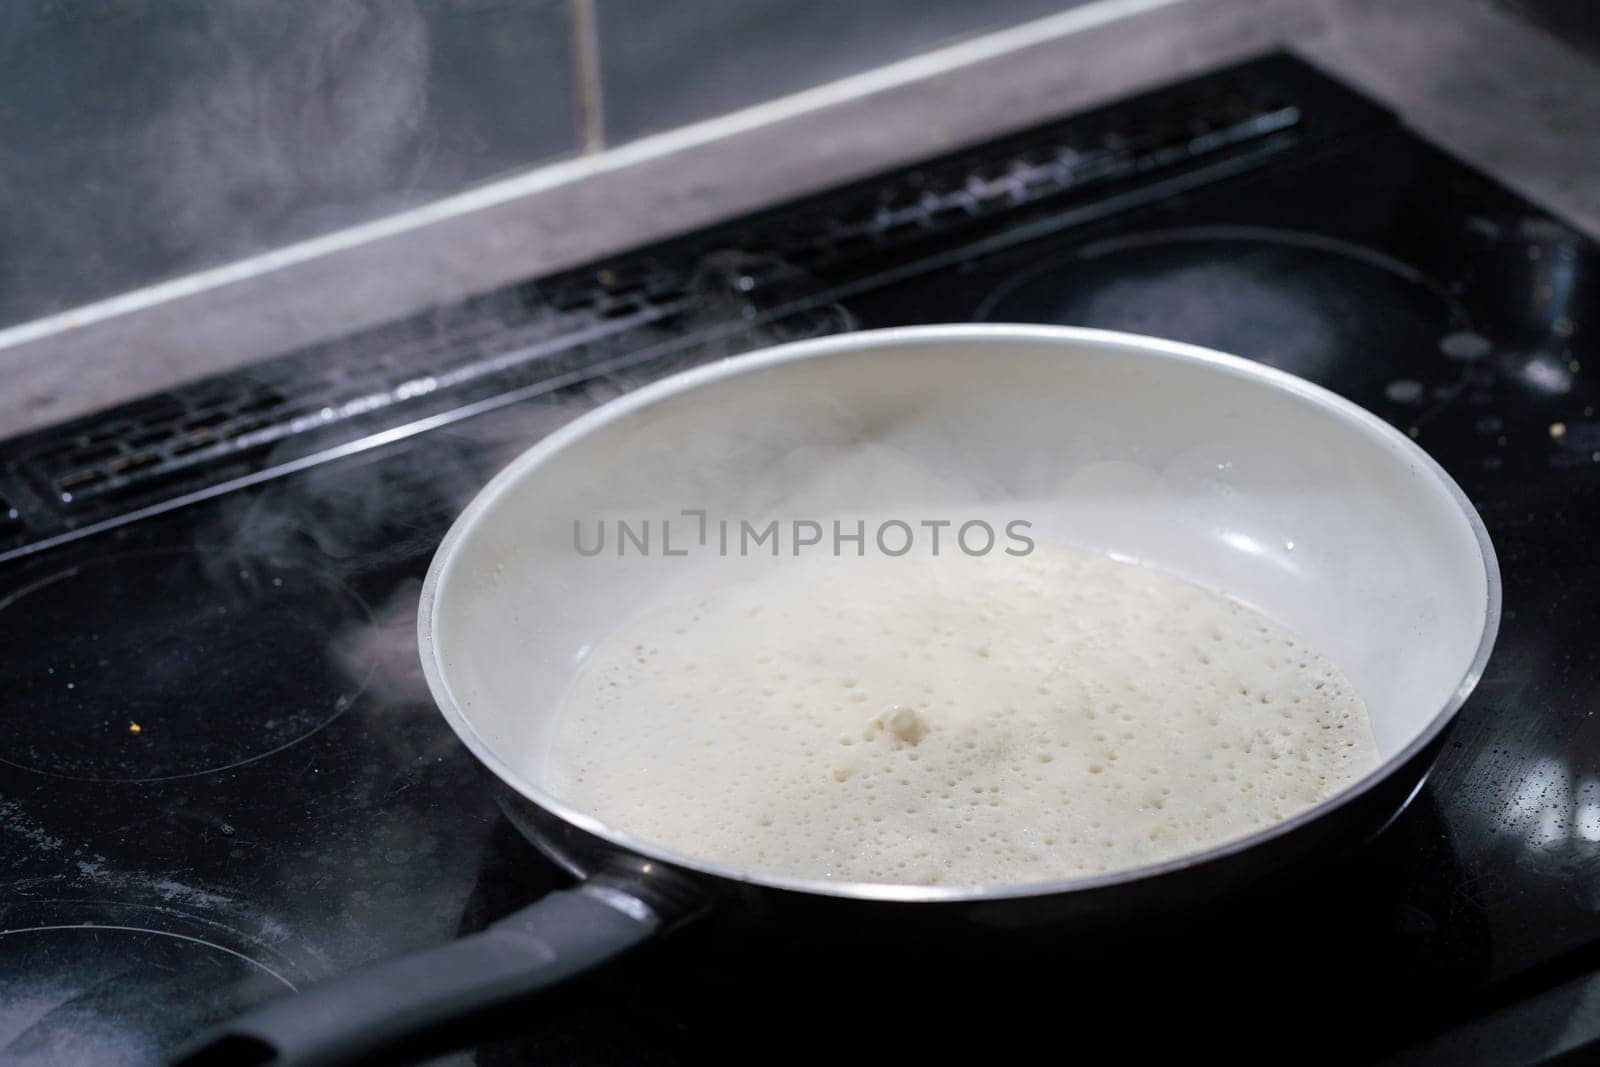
1235,476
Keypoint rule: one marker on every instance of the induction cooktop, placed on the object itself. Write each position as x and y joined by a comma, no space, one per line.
223,779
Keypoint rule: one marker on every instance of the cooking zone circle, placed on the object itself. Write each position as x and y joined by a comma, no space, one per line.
151,689
55,959
1292,300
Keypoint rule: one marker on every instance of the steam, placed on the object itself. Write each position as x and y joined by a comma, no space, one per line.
388,509
336,106
179,137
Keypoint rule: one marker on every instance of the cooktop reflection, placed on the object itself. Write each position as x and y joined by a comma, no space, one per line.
1294,300
224,778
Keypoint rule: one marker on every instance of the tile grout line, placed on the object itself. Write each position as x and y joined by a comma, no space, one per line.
586,65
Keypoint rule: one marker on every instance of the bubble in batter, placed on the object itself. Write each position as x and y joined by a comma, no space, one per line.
954,720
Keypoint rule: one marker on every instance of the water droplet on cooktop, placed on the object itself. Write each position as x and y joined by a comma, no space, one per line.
1463,344
198,662
1404,391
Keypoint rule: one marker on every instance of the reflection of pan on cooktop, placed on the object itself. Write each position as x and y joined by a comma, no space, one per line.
710,996
1289,299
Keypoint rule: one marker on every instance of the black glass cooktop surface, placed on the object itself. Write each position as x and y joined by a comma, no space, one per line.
223,778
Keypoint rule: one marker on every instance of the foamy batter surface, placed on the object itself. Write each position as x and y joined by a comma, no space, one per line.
954,720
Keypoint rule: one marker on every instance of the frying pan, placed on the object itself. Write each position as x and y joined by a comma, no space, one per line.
1226,472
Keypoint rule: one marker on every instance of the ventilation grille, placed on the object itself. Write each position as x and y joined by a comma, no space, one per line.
933,200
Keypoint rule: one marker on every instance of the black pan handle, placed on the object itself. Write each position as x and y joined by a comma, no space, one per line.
371,1011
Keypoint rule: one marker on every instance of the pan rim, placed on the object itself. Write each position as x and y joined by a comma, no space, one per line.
751,362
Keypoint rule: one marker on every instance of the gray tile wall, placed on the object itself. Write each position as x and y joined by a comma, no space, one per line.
665,63
143,139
